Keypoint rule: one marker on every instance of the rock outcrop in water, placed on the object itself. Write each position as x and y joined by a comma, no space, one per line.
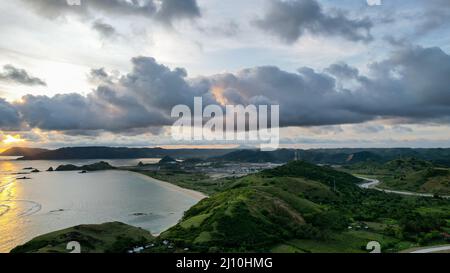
100,166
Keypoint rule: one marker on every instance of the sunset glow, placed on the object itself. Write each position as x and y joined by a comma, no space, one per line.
12,139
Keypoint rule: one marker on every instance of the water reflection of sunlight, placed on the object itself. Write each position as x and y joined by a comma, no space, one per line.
9,209
7,167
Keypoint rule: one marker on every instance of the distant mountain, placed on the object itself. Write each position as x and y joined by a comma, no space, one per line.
338,156
258,156
22,151
167,160
316,156
253,156
120,153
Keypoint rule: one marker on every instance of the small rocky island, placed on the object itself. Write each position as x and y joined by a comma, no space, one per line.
99,166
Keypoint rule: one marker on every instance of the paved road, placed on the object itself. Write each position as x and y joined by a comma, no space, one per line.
373,183
432,249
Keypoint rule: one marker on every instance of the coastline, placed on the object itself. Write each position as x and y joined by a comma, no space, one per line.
194,194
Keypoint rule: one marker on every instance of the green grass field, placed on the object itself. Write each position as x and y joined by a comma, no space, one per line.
109,237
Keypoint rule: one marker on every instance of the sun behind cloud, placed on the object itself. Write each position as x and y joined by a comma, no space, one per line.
12,139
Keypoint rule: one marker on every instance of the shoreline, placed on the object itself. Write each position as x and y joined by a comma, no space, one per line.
194,194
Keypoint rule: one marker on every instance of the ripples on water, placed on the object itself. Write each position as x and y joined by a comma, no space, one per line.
51,201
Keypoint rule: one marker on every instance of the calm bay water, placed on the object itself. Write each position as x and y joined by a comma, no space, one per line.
51,201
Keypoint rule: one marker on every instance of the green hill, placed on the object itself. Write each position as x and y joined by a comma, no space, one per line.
259,211
109,237
408,174
298,207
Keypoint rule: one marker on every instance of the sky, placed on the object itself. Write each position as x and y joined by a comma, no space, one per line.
345,73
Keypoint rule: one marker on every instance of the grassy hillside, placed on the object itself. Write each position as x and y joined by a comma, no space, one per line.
298,208
409,174
110,237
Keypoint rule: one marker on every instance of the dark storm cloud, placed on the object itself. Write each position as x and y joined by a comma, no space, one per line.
412,85
166,12
19,76
140,99
306,98
289,20
9,116
101,110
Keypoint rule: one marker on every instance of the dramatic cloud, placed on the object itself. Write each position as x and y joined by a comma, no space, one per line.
412,85
289,20
165,11
19,76
306,98
140,99
9,116
101,110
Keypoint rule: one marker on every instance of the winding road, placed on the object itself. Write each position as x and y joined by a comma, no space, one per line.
373,183
431,249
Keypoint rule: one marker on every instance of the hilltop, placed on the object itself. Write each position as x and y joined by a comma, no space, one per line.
109,237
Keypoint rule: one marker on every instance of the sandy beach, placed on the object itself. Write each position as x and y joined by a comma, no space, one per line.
194,194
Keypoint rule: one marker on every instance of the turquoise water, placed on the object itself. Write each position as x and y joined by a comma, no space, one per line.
51,201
